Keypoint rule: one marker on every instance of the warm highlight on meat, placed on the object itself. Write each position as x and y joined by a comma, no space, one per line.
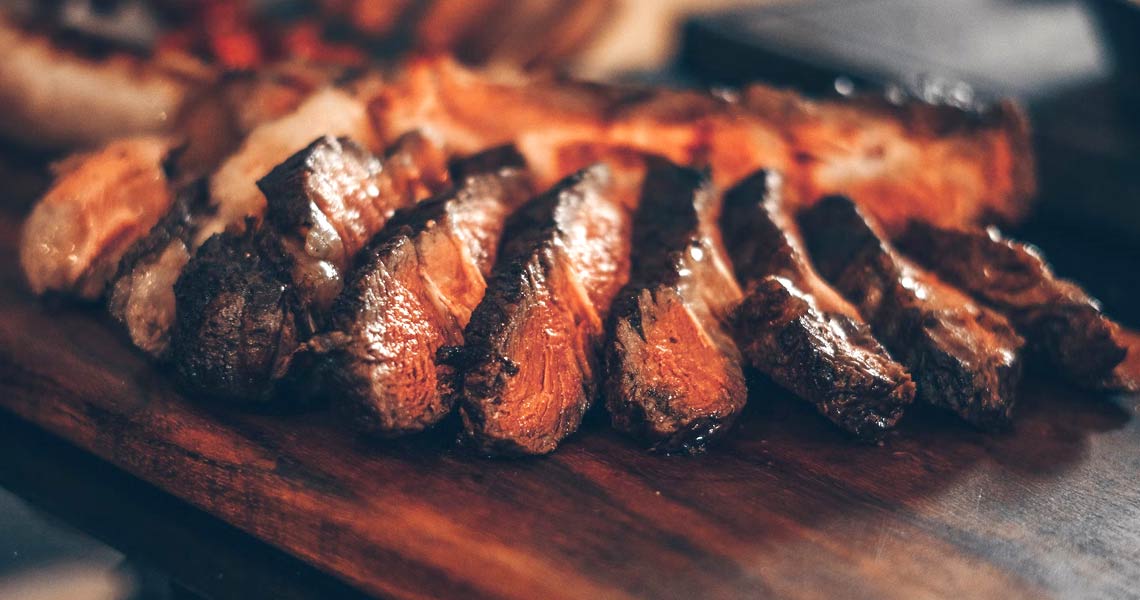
1061,322
906,161
962,356
233,190
944,165
98,206
141,295
673,376
412,293
526,373
329,199
795,328
305,273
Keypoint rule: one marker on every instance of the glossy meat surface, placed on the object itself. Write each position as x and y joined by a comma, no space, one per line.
412,293
940,164
526,373
673,373
1063,325
795,328
282,254
963,356
99,205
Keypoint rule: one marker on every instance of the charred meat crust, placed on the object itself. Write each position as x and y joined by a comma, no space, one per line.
1063,325
141,295
246,320
963,356
795,329
526,373
673,374
413,292
235,326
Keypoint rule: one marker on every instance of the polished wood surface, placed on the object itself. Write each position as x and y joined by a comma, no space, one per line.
786,506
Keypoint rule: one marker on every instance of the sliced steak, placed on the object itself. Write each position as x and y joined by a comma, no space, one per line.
412,293
1063,325
335,195
142,293
963,356
796,328
526,373
673,374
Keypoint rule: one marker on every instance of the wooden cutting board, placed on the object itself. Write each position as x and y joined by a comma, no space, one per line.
787,506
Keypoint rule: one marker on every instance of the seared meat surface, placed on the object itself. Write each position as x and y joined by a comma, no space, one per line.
330,198
963,357
673,375
413,292
526,373
795,328
1063,325
328,188
141,295
99,205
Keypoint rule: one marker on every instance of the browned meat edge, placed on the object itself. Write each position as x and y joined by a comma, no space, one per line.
243,307
526,373
412,293
1063,325
673,374
141,296
963,357
793,327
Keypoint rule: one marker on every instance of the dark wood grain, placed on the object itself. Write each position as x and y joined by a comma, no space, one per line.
786,506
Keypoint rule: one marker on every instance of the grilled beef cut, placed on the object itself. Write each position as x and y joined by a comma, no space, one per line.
1061,322
99,205
796,328
329,199
526,372
336,196
413,292
142,293
963,356
673,375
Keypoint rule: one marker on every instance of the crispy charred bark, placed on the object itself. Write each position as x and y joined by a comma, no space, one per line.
795,328
142,293
236,324
325,202
1062,324
526,372
673,374
963,356
412,293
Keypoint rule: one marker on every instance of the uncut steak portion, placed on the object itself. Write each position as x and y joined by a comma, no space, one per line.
963,356
335,195
1063,325
797,329
413,292
526,373
673,374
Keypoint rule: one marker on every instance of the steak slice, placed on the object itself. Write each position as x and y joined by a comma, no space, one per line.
673,374
1063,325
412,293
963,356
329,199
336,195
526,372
797,329
142,293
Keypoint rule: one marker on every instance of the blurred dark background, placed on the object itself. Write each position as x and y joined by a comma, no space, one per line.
72,527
